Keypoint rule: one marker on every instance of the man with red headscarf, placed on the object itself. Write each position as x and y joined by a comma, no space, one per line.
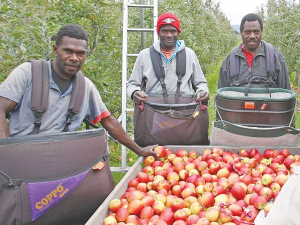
193,82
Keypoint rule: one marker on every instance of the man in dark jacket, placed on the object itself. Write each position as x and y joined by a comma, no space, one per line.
253,60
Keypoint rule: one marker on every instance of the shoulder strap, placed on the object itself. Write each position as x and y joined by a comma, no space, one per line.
234,61
270,58
159,70
180,70
40,91
76,98
270,61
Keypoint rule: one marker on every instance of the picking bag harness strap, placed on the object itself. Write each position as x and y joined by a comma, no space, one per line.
270,63
40,94
160,72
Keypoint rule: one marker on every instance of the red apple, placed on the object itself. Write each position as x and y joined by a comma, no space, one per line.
182,153
122,214
167,216
238,192
281,179
260,202
147,212
207,199
114,205
160,150
285,152
180,214
212,214
149,160
268,153
109,220
244,153
135,206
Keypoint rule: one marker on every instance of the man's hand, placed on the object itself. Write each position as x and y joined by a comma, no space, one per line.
202,96
147,151
139,97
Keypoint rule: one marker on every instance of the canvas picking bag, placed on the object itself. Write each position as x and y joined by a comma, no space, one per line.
184,123
52,179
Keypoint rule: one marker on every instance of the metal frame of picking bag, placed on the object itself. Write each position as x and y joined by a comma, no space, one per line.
52,179
185,123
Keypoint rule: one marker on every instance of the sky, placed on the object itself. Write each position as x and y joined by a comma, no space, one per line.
235,10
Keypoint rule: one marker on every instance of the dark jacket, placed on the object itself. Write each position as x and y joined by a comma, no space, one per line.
280,78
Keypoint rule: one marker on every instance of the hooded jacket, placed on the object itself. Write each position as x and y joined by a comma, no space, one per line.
143,69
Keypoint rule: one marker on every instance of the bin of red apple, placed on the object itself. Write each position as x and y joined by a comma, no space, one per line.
217,187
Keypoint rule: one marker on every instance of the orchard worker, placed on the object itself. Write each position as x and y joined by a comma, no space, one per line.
168,46
70,53
254,61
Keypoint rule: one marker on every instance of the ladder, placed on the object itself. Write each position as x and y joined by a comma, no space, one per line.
126,5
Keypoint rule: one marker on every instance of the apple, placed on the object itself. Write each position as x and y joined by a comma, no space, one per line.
160,150
136,194
252,198
147,212
285,152
266,192
238,192
212,214
122,214
167,216
149,160
135,206
192,219
224,216
275,187
223,182
180,214
218,190
157,163
221,198
148,170
133,183
158,207
207,177
288,161
173,176
148,200
163,184
252,152
257,187
114,205
260,202
189,191
235,209
233,178
203,221
202,166
178,203
208,187
142,187
266,179
281,179
183,174
193,154
176,190
223,172
217,150
182,153
196,208
268,207
109,220
132,219
207,199
179,222
214,167
268,153
244,153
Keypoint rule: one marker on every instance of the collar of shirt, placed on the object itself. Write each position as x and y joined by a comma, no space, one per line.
177,45
53,85
248,56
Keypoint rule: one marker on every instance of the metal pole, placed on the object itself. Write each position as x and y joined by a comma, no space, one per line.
124,78
142,25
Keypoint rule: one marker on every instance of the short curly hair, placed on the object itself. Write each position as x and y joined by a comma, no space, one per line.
251,17
73,31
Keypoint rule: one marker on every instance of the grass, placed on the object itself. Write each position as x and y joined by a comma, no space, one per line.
212,79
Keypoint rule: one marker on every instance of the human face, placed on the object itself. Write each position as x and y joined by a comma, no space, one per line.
69,56
168,35
251,36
